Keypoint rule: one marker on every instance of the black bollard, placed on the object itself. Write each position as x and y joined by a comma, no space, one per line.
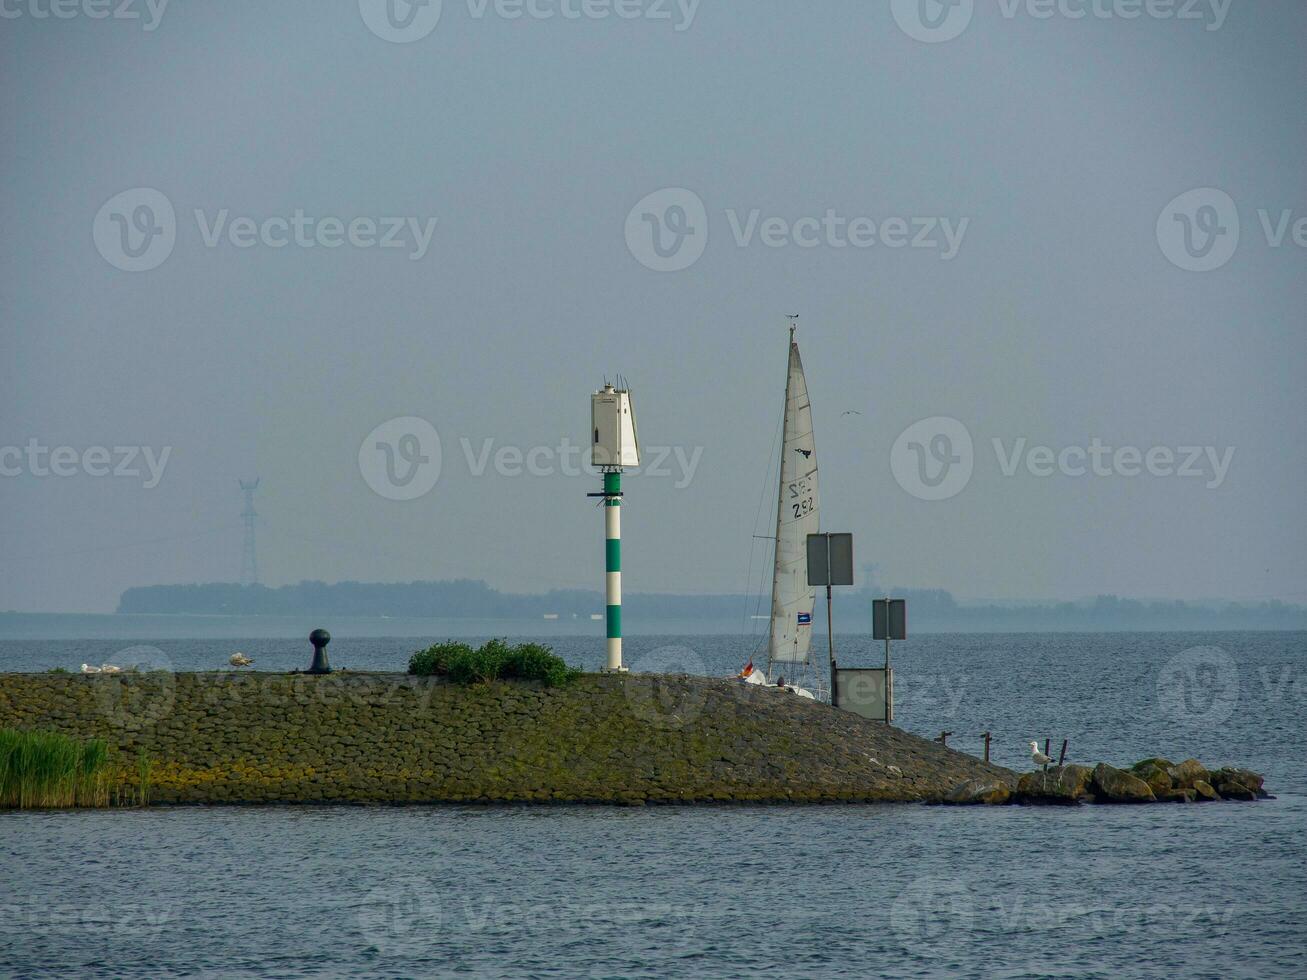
320,638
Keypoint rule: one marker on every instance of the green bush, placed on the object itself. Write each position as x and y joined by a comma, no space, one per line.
478,666
534,661
494,660
434,661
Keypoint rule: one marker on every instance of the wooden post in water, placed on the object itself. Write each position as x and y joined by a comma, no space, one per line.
1048,744
943,738
1062,758
986,736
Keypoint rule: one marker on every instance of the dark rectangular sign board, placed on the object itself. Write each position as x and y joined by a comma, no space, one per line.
865,691
889,619
833,554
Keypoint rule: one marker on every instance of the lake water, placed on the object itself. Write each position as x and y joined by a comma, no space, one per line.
1211,890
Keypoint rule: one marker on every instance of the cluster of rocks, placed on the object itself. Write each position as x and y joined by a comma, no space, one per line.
1153,780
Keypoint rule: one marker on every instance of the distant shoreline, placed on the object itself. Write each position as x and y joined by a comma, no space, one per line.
929,610
45,626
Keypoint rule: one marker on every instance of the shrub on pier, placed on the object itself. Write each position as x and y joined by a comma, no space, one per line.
495,660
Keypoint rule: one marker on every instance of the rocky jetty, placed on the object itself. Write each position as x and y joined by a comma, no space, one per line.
390,738
1153,780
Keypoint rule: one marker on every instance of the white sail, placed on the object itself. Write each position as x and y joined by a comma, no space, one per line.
792,597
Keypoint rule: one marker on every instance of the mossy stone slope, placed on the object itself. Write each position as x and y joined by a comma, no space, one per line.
389,738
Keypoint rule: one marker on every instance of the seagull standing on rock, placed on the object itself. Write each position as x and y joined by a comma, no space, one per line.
1039,757
239,659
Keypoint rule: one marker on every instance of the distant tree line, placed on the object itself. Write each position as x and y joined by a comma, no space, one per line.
928,609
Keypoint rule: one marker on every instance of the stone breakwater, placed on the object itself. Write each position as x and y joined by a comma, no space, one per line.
389,738
1154,780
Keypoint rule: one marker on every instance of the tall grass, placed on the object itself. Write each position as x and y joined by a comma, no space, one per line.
46,769
144,771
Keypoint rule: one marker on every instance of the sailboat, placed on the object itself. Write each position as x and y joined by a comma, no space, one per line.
797,515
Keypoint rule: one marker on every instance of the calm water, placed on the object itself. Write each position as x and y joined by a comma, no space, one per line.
887,890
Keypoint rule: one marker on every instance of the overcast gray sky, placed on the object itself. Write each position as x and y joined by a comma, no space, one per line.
995,236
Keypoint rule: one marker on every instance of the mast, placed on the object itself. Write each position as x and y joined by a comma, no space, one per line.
780,504
797,516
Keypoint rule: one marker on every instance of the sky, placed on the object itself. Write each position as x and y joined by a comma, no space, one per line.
1048,256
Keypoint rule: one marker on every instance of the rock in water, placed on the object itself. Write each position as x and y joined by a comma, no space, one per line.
1155,760
1156,773
1111,785
1205,791
1061,784
1187,773
1238,784
982,791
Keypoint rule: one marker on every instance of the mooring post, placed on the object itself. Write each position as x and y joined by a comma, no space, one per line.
986,736
1062,758
943,738
319,638
1048,744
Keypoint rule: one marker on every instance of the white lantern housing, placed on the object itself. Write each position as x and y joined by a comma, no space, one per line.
612,424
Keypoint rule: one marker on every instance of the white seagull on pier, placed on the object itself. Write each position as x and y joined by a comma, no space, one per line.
1039,758
109,669
88,669
239,659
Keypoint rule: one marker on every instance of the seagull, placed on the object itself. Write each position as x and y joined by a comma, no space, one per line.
109,669
850,413
1039,757
88,669
239,659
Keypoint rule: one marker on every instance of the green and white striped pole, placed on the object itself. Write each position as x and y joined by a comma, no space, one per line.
613,564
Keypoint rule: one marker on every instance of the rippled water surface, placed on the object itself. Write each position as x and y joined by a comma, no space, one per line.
1211,890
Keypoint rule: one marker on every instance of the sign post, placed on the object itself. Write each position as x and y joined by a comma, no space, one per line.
889,621
830,562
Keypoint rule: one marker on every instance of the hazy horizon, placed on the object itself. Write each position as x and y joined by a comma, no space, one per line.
1055,263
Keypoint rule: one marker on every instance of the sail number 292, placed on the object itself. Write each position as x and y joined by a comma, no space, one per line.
801,498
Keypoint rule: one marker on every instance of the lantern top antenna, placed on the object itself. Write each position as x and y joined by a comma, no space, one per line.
614,442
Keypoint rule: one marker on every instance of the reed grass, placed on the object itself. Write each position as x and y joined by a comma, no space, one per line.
46,769
144,770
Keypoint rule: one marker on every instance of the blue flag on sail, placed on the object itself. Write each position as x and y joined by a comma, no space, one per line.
805,619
